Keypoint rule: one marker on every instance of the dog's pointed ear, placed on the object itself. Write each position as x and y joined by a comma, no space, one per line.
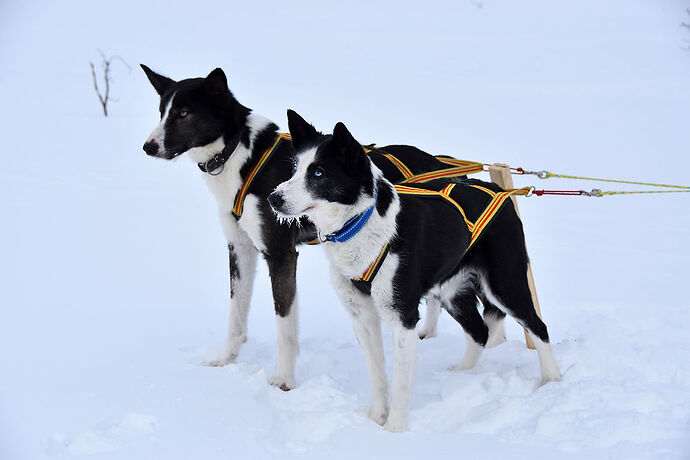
351,150
302,132
216,82
160,83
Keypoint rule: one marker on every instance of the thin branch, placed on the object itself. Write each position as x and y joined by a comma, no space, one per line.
104,103
107,85
105,97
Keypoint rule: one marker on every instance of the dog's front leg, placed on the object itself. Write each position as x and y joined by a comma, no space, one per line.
242,263
366,323
405,352
433,310
282,267
367,326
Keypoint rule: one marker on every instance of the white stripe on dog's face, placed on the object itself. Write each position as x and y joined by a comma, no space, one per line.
297,200
158,134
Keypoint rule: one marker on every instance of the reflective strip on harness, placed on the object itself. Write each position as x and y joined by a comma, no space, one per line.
404,170
476,228
461,168
445,193
364,283
242,193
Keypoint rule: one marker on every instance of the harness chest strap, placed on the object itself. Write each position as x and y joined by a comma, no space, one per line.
363,283
242,193
476,228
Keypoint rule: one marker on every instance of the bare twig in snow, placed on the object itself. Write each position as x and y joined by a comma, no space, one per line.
105,97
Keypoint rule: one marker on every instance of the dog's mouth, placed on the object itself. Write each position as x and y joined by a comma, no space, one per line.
170,154
282,214
165,155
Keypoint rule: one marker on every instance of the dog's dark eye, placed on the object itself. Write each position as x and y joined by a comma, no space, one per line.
183,114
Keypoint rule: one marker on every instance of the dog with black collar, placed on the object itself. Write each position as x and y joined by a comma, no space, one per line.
242,158
424,249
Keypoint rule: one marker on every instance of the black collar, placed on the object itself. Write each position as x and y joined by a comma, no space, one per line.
218,161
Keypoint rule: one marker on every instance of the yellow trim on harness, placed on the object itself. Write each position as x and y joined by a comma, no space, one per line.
463,168
477,227
445,193
404,170
459,168
374,266
242,193
491,210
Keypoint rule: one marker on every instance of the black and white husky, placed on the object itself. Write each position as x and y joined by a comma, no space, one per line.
427,240
202,118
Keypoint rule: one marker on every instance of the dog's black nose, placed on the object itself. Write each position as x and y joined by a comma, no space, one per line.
276,201
151,148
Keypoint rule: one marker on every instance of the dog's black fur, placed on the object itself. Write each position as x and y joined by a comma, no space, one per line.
434,258
202,110
431,235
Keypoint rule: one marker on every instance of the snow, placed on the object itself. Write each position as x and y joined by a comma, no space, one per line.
114,275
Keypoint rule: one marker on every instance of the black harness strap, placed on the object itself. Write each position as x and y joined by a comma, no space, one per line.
364,283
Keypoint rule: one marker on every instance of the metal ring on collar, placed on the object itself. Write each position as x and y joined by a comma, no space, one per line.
220,169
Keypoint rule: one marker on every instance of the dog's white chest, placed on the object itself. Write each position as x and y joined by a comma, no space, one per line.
225,188
225,191
252,221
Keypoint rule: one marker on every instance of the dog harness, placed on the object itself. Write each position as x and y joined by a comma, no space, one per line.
458,168
476,228
242,193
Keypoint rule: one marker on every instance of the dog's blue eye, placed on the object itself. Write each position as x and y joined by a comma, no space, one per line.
317,172
183,114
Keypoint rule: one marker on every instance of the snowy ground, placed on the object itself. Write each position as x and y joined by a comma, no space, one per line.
114,277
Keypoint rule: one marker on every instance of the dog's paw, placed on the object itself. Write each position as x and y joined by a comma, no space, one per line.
467,363
460,367
395,425
231,350
496,340
220,362
553,376
285,384
378,414
427,333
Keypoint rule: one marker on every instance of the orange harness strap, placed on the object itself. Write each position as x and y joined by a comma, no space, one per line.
459,168
242,193
476,228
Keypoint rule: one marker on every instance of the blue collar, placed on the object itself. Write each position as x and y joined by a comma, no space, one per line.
352,226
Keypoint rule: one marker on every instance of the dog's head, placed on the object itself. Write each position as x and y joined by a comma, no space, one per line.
195,113
333,177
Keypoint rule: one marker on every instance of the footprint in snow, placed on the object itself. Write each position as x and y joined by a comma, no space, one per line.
107,436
